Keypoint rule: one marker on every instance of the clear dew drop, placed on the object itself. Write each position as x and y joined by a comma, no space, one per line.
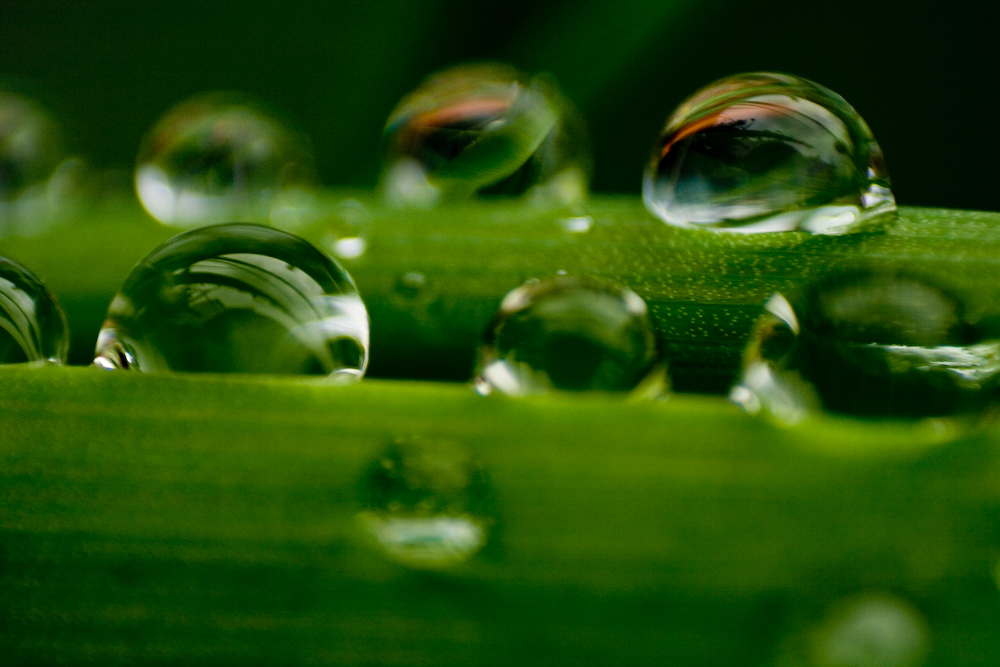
427,503
32,325
484,130
766,152
869,344
868,630
220,157
237,299
570,334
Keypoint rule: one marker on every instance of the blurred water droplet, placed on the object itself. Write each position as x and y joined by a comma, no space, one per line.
482,130
221,157
32,325
37,177
237,299
870,630
868,344
570,334
765,152
411,284
347,228
427,503
578,224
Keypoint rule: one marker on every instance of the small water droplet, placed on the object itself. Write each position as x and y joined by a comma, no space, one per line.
482,130
765,152
32,325
347,228
237,299
427,503
411,284
869,630
37,177
870,344
571,334
578,224
220,157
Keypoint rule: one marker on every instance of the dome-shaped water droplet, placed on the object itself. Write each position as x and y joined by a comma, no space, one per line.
765,152
32,325
868,630
570,334
237,298
869,344
220,157
427,503
481,130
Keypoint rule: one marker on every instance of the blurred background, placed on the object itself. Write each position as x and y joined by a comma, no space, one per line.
923,75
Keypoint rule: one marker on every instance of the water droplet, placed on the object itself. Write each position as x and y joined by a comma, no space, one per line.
411,284
870,344
220,157
482,130
32,325
870,630
427,503
36,174
237,298
571,334
347,229
577,224
765,152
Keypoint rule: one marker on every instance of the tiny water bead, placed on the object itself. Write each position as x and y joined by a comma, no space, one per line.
766,152
866,630
484,130
237,298
869,344
570,334
221,157
427,503
32,325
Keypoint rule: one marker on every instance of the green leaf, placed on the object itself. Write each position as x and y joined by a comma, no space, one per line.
210,519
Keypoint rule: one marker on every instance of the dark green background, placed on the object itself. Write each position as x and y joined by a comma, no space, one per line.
923,75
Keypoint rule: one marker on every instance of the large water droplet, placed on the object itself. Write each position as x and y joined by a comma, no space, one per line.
570,334
764,152
870,344
32,325
427,503
869,630
481,130
220,157
237,298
